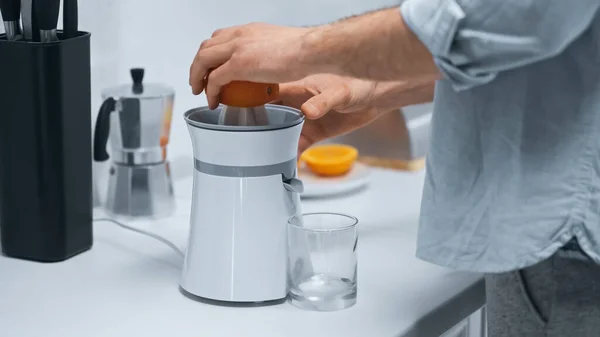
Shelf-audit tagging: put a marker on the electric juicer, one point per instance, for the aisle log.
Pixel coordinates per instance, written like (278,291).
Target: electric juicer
(245,189)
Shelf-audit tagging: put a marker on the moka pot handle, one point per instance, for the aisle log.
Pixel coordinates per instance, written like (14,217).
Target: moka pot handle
(102,129)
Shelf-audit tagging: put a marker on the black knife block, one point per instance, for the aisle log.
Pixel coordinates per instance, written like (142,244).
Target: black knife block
(45,149)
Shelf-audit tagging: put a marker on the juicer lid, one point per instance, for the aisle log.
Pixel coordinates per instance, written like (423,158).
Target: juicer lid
(138,89)
(277,117)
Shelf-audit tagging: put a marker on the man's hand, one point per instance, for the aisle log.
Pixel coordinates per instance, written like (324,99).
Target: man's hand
(254,52)
(335,105)
(377,46)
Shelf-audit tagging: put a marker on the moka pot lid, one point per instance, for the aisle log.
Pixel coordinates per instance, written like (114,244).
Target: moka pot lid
(138,89)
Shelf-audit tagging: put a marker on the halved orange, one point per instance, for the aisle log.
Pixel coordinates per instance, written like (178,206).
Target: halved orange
(330,160)
(248,94)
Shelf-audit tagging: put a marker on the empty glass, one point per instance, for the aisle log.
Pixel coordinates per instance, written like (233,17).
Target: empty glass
(323,263)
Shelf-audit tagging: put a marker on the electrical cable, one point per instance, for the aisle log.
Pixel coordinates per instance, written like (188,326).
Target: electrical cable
(143,232)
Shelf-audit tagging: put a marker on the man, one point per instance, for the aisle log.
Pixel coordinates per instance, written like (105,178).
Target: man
(513,175)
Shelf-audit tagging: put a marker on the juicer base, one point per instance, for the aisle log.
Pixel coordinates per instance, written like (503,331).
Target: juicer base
(229,303)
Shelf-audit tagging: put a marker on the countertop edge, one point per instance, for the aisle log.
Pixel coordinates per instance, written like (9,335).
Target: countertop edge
(443,318)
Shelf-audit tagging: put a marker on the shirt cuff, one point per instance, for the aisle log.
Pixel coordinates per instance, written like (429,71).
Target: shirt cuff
(436,23)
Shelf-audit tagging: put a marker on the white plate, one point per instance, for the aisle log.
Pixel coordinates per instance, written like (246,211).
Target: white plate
(316,186)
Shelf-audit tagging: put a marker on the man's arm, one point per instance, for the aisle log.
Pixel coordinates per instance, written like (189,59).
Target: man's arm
(390,96)
(469,40)
(376,46)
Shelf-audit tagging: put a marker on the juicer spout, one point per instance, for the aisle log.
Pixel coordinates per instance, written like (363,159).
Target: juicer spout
(294,185)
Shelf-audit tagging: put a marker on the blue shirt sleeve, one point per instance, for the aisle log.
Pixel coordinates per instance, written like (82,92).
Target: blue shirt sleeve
(473,40)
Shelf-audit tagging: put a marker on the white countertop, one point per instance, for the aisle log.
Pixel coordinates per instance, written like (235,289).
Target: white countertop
(127,285)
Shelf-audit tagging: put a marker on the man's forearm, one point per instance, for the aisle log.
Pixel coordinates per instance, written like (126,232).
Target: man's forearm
(375,46)
(394,95)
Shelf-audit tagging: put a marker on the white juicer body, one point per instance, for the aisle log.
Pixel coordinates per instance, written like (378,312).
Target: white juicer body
(243,196)
(237,248)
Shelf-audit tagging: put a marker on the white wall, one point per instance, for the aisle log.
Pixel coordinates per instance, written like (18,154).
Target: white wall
(163,36)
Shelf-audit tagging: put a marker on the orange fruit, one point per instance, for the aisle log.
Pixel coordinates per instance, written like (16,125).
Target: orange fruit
(330,159)
(244,94)
(164,140)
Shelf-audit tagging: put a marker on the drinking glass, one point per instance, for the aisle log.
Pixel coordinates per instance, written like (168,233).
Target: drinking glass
(323,261)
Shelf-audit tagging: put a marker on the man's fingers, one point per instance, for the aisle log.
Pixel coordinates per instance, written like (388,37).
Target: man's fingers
(220,31)
(216,80)
(228,31)
(205,60)
(293,94)
(225,37)
(219,36)
(328,100)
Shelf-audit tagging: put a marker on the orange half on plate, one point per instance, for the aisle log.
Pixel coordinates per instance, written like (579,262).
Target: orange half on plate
(330,159)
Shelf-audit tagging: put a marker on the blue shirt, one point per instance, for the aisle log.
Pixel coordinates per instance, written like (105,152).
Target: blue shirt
(513,172)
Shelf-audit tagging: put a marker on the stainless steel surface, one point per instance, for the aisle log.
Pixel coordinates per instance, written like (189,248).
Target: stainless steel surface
(10,11)
(256,116)
(140,191)
(139,123)
(402,134)
(140,91)
(48,36)
(12,29)
(96,200)
(138,156)
(27,19)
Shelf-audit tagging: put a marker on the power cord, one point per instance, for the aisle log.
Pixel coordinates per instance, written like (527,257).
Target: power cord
(143,232)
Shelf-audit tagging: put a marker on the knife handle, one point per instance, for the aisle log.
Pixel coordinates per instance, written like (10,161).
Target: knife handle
(35,31)
(46,12)
(70,24)
(11,10)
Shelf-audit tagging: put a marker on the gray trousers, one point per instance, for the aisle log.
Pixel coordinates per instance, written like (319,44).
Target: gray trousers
(558,297)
